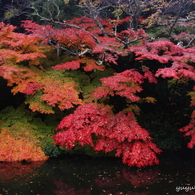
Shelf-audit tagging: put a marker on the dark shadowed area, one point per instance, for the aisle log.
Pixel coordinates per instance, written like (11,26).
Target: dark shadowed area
(81,175)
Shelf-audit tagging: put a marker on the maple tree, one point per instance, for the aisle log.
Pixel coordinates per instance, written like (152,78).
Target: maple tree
(24,127)
(20,66)
(152,15)
(102,71)
(114,132)
(126,84)
(16,148)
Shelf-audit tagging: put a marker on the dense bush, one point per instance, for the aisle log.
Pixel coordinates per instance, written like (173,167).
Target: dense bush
(101,85)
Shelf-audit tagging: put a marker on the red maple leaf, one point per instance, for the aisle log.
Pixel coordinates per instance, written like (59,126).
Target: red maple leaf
(125,84)
(166,72)
(190,130)
(68,66)
(118,132)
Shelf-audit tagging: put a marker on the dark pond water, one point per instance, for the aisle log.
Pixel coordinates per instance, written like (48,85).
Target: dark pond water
(96,176)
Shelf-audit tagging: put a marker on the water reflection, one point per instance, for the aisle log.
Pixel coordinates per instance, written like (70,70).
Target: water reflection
(65,189)
(16,170)
(88,176)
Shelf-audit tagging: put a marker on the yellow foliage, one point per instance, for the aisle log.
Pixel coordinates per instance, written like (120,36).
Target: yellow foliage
(192,94)
(117,12)
(11,13)
(18,148)
(36,105)
(149,100)
(90,2)
(153,19)
(132,108)
(40,107)
(66,1)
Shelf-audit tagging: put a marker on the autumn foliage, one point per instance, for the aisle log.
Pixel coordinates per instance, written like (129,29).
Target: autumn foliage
(114,132)
(19,148)
(20,66)
(68,68)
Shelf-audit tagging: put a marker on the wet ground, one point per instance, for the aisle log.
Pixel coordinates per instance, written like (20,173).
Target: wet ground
(83,175)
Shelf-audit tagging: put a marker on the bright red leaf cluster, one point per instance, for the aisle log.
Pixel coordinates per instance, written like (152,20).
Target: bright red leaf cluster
(125,84)
(85,47)
(190,130)
(118,132)
(180,62)
(83,36)
(68,66)
(167,52)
